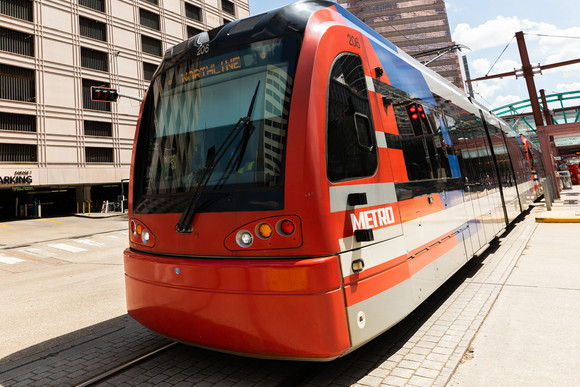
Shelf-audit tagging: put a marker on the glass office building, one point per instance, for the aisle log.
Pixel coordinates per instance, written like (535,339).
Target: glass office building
(416,26)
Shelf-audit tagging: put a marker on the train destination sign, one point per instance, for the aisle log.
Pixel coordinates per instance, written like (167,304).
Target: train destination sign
(218,67)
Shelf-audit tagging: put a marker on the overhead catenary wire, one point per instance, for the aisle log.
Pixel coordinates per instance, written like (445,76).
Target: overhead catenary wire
(502,52)
(555,36)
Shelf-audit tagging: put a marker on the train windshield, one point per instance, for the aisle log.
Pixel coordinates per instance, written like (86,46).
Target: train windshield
(218,120)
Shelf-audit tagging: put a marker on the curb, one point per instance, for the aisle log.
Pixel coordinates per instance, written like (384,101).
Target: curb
(98,215)
(558,220)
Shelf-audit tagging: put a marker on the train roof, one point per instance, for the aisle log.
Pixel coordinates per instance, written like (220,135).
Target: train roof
(288,20)
(292,19)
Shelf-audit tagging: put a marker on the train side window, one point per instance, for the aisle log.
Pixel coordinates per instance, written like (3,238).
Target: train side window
(350,139)
(363,130)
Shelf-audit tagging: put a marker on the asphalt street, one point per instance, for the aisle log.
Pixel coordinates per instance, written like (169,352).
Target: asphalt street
(58,275)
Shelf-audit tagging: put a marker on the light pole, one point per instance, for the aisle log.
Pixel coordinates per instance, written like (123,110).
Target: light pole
(116,55)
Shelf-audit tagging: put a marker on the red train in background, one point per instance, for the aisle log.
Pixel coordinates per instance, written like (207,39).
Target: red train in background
(299,185)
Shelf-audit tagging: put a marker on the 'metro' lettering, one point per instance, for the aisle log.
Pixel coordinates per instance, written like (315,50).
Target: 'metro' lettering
(379,217)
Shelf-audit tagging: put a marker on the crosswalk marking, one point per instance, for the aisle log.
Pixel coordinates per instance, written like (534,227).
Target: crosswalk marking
(89,242)
(37,252)
(44,251)
(69,248)
(10,260)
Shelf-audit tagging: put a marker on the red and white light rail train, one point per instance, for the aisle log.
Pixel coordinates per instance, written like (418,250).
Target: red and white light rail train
(299,185)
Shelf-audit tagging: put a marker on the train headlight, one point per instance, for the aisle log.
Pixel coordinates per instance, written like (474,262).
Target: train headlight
(244,238)
(145,236)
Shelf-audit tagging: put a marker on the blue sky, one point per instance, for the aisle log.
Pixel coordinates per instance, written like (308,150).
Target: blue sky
(486,27)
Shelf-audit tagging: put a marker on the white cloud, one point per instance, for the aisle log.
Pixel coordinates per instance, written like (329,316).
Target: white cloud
(487,89)
(561,46)
(569,72)
(503,100)
(482,66)
(492,33)
(504,66)
(563,87)
(497,32)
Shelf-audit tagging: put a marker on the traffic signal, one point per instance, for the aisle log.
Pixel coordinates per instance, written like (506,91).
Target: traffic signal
(413,112)
(419,120)
(103,94)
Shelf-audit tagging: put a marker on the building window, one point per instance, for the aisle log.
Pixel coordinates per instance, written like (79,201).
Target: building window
(93,59)
(151,45)
(94,105)
(16,42)
(192,12)
(93,29)
(98,155)
(148,70)
(192,31)
(20,9)
(18,153)
(17,122)
(228,6)
(98,128)
(98,5)
(226,21)
(152,1)
(17,83)
(149,19)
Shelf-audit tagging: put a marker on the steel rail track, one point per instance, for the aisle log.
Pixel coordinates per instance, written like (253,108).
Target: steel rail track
(107,374)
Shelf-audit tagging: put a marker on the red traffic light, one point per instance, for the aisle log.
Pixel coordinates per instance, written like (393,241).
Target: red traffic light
(103,94)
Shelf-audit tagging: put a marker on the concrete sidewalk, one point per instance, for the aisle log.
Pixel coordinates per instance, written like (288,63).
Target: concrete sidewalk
(564,210)
(531,335)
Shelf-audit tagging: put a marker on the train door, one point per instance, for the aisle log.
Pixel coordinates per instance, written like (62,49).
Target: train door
(361,186)
(489,191)
(469,144)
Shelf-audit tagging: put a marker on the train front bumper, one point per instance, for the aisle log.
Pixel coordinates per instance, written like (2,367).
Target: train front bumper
(281,308)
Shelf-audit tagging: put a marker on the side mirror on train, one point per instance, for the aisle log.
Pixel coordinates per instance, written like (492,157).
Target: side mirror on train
(387,101)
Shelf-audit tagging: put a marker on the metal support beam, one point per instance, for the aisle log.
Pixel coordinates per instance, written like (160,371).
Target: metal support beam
(545,146)
(547,114)
(529,77)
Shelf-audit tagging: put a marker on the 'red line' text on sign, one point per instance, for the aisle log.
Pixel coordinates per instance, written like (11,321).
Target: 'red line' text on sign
(212,69)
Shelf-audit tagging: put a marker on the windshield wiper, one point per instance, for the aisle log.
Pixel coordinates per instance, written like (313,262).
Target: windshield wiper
(213,158)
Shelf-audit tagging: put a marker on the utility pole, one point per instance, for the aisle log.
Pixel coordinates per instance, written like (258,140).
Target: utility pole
(529,77)
(545,147)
